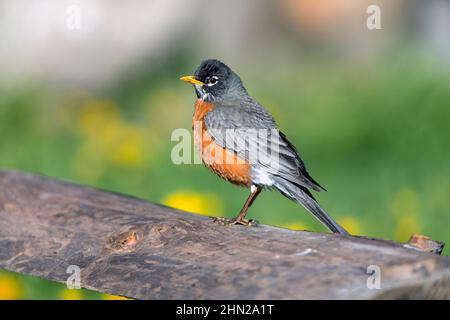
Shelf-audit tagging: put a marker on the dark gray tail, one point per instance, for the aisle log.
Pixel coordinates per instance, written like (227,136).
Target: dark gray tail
(304,197)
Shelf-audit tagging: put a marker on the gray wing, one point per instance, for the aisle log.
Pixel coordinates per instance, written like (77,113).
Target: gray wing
(249,130)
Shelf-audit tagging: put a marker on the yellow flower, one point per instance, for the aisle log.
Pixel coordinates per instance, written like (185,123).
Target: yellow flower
(406,226)
(405,207)
(202,203)
(106,296)
(128,150)
(97,116)
(109,132)
(10,288)
(108,140)
(71,294)
(351,224)
(295,226)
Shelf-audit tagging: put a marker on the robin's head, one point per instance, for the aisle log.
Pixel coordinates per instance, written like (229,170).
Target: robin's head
(213,81)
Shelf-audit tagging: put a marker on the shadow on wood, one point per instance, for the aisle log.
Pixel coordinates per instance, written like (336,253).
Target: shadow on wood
(126,246)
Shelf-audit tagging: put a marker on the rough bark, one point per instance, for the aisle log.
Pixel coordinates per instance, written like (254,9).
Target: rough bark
(130,247)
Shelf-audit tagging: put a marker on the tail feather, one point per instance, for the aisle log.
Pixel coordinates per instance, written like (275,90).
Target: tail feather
(305,198)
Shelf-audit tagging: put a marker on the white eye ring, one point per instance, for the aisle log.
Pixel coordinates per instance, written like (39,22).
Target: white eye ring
(212,81)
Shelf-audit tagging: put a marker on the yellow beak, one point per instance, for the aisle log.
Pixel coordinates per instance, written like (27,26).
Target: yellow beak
(191,79)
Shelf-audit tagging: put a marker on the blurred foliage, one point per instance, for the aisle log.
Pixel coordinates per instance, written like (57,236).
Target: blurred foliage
(375,135)
(205,203)
(15,286)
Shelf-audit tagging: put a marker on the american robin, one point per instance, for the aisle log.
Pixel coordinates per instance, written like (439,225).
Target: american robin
(229,125)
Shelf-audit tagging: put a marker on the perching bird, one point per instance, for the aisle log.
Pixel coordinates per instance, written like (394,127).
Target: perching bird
(238,140)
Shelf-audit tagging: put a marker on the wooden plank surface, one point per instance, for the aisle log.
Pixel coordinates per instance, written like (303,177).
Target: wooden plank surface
(130,247)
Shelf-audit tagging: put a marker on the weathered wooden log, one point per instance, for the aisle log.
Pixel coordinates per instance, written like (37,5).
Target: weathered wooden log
(130,247)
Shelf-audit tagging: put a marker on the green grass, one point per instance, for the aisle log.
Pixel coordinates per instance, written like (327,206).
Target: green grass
(376,137)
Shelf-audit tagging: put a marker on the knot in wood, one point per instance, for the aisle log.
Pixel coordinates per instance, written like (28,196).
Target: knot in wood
(127,240)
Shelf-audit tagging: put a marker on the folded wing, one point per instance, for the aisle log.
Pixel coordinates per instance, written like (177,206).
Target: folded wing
(250,131)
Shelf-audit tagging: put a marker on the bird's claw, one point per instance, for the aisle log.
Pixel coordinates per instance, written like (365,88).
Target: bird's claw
(232,221)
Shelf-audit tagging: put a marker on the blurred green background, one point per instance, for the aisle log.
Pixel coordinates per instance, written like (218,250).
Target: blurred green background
(367,109)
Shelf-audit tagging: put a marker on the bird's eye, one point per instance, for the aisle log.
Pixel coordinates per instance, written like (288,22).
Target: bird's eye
(212,80)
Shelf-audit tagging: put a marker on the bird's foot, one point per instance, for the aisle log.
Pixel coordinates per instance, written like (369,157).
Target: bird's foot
(232,221)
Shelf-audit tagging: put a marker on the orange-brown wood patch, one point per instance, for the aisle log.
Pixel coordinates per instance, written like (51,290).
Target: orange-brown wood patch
(222,162)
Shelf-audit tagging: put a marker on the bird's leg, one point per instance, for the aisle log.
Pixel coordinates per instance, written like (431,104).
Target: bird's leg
(240,219)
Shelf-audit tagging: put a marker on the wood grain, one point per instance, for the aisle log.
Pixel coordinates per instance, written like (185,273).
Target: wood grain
(130,247)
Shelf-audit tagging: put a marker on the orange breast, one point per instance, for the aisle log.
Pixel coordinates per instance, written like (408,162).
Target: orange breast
(224,163)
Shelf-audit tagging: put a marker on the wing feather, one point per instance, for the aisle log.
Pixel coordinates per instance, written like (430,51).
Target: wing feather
(249,130)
